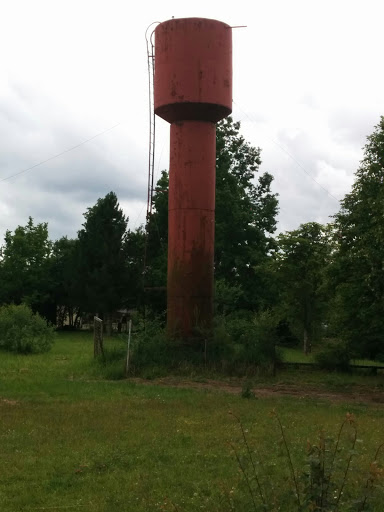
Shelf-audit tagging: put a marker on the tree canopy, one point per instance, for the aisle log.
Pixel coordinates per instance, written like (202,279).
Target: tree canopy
(245,220)
(302,259)
(311,276)
(102,269)
(24,268)
(358,270)
(246,211)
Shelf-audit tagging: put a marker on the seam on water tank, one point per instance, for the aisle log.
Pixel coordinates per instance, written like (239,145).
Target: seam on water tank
(203,298)
(196,297)
(204,209)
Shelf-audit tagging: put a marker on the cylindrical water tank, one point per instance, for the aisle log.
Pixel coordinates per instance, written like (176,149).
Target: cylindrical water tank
(193,70)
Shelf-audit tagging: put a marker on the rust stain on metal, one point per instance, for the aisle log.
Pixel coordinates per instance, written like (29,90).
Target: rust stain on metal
(193,90)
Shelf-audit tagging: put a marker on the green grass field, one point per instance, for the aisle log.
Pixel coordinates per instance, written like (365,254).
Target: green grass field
(73,441)
(295,355)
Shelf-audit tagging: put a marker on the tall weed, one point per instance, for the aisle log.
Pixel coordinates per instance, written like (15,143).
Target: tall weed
(327,482)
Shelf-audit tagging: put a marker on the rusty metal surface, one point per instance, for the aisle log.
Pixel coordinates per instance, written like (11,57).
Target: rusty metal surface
(193,90)
(193,71)
(191,226)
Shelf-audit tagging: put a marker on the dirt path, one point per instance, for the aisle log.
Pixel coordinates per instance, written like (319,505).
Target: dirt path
(356,395)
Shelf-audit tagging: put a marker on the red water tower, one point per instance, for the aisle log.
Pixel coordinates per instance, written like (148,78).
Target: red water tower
(193,90)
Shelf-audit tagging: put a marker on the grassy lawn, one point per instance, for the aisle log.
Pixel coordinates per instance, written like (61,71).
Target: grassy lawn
(72,441)
(296,355)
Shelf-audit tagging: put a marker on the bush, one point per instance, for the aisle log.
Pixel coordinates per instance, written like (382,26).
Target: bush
(243,343)
(335,356)
(246,342)
(150,346)
(24,332)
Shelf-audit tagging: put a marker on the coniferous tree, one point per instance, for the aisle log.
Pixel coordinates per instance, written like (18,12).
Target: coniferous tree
(65,277)
(102,267)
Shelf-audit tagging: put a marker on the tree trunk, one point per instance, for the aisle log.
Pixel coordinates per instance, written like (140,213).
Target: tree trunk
(305,338)
(70,316)
(76,322)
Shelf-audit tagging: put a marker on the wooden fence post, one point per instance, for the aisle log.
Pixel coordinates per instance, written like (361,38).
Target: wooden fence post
(98,348)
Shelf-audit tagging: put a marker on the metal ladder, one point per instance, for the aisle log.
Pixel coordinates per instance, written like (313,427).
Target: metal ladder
(152,124)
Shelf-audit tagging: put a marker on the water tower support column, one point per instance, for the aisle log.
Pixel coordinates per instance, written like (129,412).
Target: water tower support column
(191,226)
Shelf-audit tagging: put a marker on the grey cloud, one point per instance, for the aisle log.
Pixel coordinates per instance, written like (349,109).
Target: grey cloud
(60,190)
(354,124)
(301,196)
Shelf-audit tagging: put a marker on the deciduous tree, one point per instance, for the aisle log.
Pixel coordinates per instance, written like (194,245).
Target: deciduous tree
(246,212)
(24,268)
(358,271)
(302,260)
(245,219)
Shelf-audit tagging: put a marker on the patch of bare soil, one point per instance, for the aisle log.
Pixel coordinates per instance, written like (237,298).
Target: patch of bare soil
(357,395)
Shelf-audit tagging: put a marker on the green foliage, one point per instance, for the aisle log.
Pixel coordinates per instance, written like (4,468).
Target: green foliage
(134,250)
(285,336)
(102,269)
(314,276)
(245,219)
(253,339)
(301,264)
(334,356)
(111,365)
(245,216)
(358,271)
(152,349)
(227,297)
(24,332)
(246,390)
(155,273)
(64,275)
(24,268)
(242,344)
(327,481)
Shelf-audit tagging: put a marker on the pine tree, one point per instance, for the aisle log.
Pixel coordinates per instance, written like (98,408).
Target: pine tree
(102,267)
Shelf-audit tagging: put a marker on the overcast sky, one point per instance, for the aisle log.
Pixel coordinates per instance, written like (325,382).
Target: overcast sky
(308,87)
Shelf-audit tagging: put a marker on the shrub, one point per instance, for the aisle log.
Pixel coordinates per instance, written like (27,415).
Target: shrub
(23,331)
(243,343)
(335,356)
(246,343)
(265,327)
